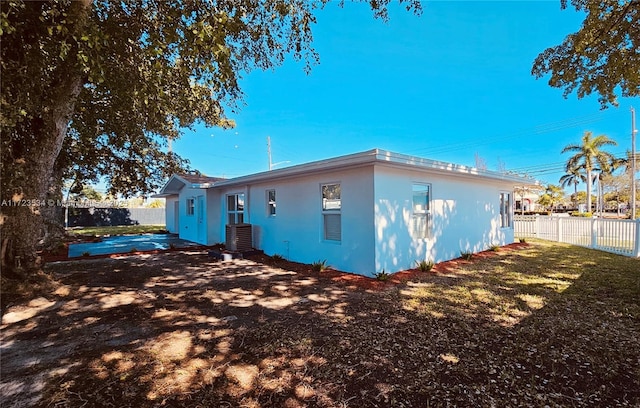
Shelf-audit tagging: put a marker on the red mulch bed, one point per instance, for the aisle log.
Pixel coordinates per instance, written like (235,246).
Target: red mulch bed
(397,278)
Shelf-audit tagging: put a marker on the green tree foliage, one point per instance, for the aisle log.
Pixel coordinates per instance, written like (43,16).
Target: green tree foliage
(617,187)
(552,196)
(99,87)
(581,197)
(156,204)
(89,193)
(590,156)
(626,162)
(602,57)
(622,182)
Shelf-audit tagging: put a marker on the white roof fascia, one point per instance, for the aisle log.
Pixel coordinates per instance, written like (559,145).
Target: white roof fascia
(418,163)
(375,156)
(204,185)
(163,195)
(163,190)
(181,180)
(351,160)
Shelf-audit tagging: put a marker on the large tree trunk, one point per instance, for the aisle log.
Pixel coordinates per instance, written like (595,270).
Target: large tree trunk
(53,215)
(36,146)
(23,227)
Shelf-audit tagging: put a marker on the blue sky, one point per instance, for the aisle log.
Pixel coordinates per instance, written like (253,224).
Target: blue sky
(447,85)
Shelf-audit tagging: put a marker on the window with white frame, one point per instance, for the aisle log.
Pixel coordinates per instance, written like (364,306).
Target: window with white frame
(271,203)
(331,212)
(505,210)
(421,206)
(191,206)
(235,208)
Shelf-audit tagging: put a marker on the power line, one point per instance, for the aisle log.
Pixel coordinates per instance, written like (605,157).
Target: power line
(542,169)
(536,130)
(555,165)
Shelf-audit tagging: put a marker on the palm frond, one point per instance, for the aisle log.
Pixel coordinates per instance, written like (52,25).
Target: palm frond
(602,140)
(571,148)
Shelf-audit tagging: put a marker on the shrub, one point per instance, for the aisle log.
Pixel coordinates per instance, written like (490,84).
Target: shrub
(172,246)
(425,266)
(134,249)
(584,214)
(58,247)
(277,257)
(86,253)
(518,212)
(495,247)
(319,266)
(382,276)
(466,255)
(523,240)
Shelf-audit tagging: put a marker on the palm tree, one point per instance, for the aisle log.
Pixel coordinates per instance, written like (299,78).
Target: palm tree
(589,157)
(574,176)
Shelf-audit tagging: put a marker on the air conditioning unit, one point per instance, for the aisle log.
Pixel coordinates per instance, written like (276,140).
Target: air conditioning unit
(239,237)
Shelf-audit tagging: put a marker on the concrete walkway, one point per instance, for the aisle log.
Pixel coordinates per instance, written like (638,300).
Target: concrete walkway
(125,243)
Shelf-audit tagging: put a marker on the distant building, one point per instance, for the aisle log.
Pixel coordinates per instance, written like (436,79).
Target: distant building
(526,201)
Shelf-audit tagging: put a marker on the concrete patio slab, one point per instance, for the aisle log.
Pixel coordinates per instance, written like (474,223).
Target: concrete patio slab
(126,243)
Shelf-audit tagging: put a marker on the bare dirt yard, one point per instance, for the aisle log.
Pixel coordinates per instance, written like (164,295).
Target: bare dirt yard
(534,325)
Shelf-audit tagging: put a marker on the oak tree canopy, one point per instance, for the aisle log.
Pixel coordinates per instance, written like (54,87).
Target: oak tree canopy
(602,58)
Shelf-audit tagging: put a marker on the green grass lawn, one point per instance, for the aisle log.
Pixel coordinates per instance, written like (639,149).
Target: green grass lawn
(118,230)
(557,324)
(506,288)
(608,242)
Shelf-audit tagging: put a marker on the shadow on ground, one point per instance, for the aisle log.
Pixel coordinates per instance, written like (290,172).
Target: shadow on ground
(538,326)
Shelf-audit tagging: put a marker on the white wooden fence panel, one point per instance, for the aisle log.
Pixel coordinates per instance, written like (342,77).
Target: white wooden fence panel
(611,235)
(547,228)
(576,231)
(524,226)
(616,236)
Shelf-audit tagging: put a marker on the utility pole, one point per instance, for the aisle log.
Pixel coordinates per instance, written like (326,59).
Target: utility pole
(271,163)
(633,163)
(269,151)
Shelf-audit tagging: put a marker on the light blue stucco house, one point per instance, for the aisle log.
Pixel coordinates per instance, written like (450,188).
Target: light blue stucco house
(364,213)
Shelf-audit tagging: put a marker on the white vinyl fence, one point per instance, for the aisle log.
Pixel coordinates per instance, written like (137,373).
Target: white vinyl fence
(611,235)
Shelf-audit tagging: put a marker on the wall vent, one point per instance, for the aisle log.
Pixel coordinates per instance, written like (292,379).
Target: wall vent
(239,237)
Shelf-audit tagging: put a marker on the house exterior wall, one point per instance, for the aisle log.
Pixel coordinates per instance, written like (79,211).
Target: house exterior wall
(376,213)
(296,231)
(215,229)
(170,214)
(465,216)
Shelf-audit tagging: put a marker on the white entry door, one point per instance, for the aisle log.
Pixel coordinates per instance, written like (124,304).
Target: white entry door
(202,239)
(176,217)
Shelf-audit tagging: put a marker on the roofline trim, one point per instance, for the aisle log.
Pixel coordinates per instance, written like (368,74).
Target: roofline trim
(375,156)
